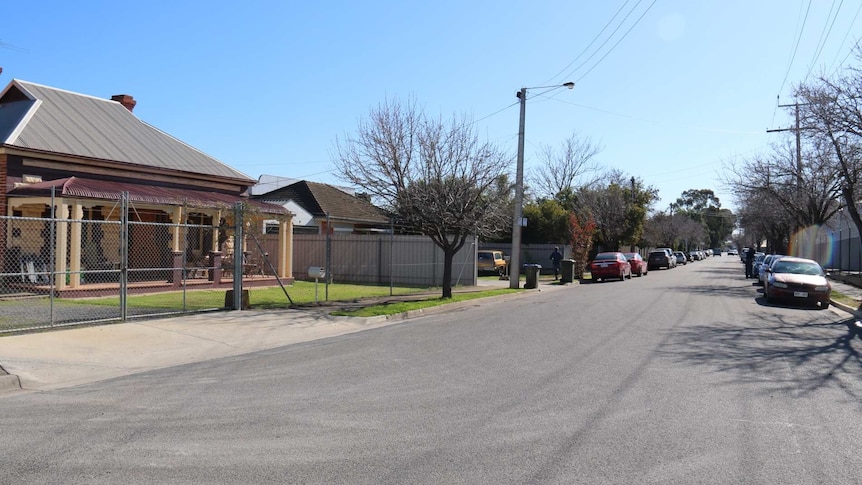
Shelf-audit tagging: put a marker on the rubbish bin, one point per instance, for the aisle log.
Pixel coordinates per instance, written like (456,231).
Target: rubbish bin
(567,270)
(532,271)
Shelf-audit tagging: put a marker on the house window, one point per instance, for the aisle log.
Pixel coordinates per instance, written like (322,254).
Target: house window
(270,227)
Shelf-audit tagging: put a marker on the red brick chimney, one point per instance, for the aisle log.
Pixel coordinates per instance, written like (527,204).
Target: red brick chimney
(126,100)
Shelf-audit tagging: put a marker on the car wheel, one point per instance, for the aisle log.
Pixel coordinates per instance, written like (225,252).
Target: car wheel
(824,304)
(766,296)
(623,276)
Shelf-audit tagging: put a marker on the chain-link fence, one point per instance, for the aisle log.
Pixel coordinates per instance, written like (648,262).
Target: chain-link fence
(82,268)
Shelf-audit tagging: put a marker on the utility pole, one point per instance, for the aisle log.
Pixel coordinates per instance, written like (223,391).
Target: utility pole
(515,257)
(632,248)
(798,131)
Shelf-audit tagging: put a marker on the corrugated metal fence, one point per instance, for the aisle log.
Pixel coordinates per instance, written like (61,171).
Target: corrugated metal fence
(378,259)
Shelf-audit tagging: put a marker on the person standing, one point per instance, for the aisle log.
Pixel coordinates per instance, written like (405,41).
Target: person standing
(556,257)
(749,263)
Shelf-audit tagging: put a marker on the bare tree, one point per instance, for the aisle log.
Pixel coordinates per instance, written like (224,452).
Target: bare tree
(435,177)
(809,192)
(831,112)
(562,169)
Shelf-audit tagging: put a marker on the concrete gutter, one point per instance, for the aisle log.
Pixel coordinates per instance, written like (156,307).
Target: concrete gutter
(8,382)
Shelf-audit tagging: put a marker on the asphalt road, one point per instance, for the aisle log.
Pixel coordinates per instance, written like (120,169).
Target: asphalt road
(684,376)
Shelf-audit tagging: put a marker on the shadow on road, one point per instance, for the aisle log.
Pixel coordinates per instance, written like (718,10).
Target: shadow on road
(797,358)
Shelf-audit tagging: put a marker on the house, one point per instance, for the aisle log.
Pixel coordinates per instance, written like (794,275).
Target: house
(313,204)
(85,154)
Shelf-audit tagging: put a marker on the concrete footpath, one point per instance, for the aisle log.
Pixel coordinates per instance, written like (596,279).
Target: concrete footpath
(67,357)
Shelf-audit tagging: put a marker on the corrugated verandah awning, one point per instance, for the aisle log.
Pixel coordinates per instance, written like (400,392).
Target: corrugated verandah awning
(82,188)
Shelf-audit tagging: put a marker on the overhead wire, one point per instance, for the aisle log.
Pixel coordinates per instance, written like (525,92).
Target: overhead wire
(557,75)
(844,40)
(611,36)
(618,42)
(824,36)
(800,30)
(795,48)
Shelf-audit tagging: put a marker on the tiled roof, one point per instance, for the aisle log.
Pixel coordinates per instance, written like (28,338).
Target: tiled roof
(47,119)
(320,199)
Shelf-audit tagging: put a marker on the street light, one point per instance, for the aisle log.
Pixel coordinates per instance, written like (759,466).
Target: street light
(514,283)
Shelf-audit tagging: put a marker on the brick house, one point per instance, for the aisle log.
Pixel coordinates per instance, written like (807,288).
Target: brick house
(87,152)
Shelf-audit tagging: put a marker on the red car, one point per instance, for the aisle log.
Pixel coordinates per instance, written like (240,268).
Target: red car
(610,265)
(639,264)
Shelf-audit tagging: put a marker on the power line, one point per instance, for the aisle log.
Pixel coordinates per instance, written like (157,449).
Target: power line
(824,36)
(599,48)
(795,48)
(618,42)
(849,29)
(495,112)
(11,47)
(557,75)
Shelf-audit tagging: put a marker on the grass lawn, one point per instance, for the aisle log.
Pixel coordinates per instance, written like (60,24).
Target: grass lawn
(301,292)
(406,306)
(36,312)
(844,299)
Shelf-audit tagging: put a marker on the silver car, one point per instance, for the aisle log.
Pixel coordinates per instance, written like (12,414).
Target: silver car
(767,263)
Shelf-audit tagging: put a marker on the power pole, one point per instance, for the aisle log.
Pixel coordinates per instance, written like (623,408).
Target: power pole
(798,131)
(632,248)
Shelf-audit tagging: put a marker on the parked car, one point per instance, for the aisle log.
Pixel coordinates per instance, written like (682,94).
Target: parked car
(799,280)
(758,260)
(716,251)
(680,258)
(669,252)
(610,265)
(732,252)
(639,264)
(491,261)
(659,259)
(768,261)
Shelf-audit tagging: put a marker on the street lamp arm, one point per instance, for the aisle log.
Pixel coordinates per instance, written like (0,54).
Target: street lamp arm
(523,91)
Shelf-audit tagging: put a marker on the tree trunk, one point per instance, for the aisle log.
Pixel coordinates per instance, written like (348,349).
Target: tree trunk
(448,257)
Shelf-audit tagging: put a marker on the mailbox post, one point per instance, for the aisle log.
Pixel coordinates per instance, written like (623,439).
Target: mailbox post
(316,272)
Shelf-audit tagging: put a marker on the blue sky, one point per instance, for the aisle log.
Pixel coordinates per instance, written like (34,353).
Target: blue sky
(680,89)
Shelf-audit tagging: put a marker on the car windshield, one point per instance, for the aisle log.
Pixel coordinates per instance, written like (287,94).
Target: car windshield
(630,255)
(606,256)
(485,256)
(797,267)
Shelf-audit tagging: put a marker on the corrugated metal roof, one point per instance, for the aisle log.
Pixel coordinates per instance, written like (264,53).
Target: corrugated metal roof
(149,194)
(320,199)
(76,124)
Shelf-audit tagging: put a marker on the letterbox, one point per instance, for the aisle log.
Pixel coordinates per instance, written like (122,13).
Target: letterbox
(316,272)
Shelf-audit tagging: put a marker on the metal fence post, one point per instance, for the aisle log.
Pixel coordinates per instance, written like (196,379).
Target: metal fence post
(124,255)
(53,257)
(328,274)
(238,256)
